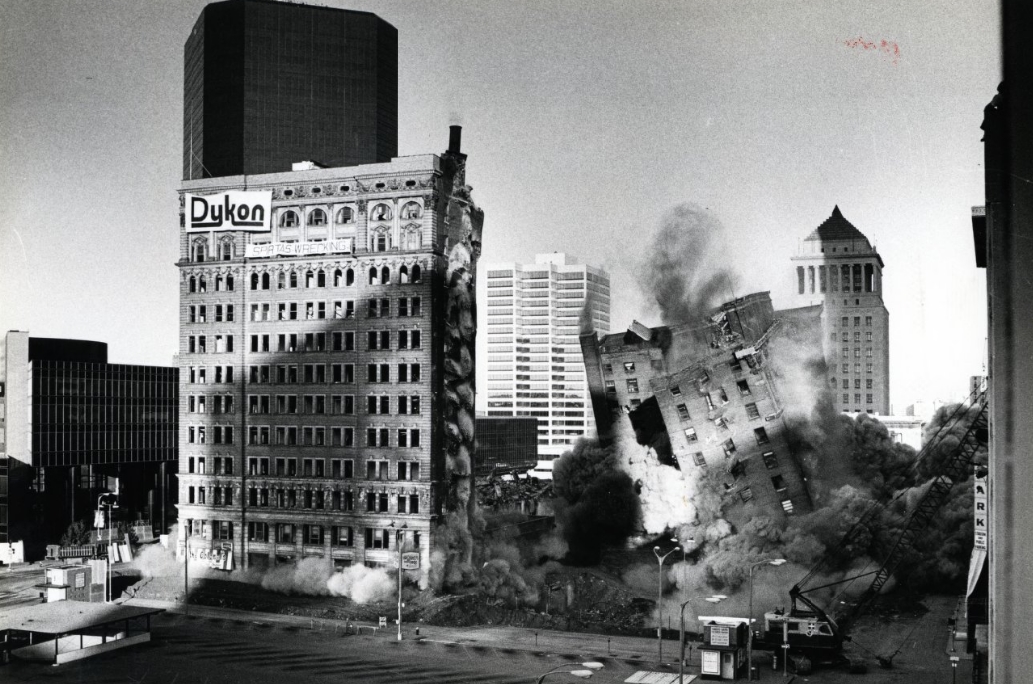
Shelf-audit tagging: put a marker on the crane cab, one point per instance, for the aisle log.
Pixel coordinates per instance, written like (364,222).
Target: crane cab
(800,629)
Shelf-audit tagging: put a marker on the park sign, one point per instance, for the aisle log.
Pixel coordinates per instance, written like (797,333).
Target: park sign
(232,210)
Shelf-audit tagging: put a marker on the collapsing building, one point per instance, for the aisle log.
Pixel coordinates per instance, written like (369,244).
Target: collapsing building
(711,394)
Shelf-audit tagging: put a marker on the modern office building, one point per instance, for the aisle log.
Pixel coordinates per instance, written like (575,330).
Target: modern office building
(708,394)
(839,268)
(270,83)
(73,426)
(326,359)
(505,443)
(535,367)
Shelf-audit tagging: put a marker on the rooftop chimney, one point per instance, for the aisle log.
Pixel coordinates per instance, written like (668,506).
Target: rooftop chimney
(455,138)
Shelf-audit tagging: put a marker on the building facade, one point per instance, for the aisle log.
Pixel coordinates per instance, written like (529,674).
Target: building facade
(839,268)
(505,443)
(707,395)
(320,376)
(270,83)
(73,426)
(535,367)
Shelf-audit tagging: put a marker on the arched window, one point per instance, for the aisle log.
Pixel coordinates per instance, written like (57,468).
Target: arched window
(381,212)
(345,215)
(219,283)
(265,281)
(226,249)
(281,281)
(229,283)
(403,275)
(202,284)
(385,275)
(416,273)
(289,219)
(411,210)
(349,277)
(317,217)
(373,280)
(338,277)
(320,278)
(254,281)
(310,279)
(869,278)
(200,249)
(192,284)
(381,242)
(294,279)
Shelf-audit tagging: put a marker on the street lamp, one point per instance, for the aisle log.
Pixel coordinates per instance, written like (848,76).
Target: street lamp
(716,598)
(659,599)
(583,673)
(398,542)
(749,620)
(111,506)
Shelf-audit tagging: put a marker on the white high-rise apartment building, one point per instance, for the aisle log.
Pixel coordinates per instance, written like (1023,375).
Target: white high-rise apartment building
(534,365)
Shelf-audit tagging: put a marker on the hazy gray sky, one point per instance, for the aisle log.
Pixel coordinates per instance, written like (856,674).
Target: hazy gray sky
(584,122)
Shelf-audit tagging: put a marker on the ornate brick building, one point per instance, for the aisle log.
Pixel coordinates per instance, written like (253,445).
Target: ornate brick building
(326,362)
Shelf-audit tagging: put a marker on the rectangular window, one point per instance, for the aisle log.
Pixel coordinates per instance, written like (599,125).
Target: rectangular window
(683,412)
(729,448)
(868,398)
(698,458)
(744,388)
(690,434)
(752,412)
(762,436)
(770,460)
(632,384)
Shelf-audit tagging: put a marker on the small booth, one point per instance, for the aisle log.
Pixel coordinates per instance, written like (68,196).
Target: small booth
(723,652)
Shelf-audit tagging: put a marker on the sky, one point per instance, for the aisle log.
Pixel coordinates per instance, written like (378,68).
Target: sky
(584,123)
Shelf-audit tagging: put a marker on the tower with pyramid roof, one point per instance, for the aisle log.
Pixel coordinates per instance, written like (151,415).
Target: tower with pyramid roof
(838,267)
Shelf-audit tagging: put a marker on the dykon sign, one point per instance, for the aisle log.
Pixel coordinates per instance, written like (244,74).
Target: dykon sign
(232,210)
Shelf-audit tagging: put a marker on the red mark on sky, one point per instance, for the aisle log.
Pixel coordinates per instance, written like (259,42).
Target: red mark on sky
(887,47)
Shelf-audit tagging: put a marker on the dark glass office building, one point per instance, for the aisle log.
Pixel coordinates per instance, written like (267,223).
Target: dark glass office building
(73,426)
(505,442)
(267,84)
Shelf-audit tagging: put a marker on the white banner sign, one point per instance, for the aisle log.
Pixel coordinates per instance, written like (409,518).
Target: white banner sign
(711,662)
(274,249)
(233,210)
(979,508)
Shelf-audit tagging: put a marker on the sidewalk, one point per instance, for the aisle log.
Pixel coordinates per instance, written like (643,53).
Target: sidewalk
(636,649)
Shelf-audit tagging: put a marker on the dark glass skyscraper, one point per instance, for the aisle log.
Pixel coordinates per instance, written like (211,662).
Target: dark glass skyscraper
(267,84)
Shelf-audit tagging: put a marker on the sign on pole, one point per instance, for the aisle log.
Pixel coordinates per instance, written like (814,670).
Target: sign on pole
(411,560)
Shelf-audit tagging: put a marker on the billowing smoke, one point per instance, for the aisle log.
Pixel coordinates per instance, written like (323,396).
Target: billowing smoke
(596,501)
(362,584)
(684,272)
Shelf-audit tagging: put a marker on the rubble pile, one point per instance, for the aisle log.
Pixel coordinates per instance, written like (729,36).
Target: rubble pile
(509,492)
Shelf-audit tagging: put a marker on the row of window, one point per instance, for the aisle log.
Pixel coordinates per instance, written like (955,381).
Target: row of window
(852,278)
(376,502)
(340,373)
(407,307)
(760,434)
(340,468)
(868,383)
(857,398)
(868,368)
(314,278)
(291,533)
(857,336)
(288,435)
(314,404)
(376,340)
(857,352)
(845,321)
(290,218)
(222,313)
